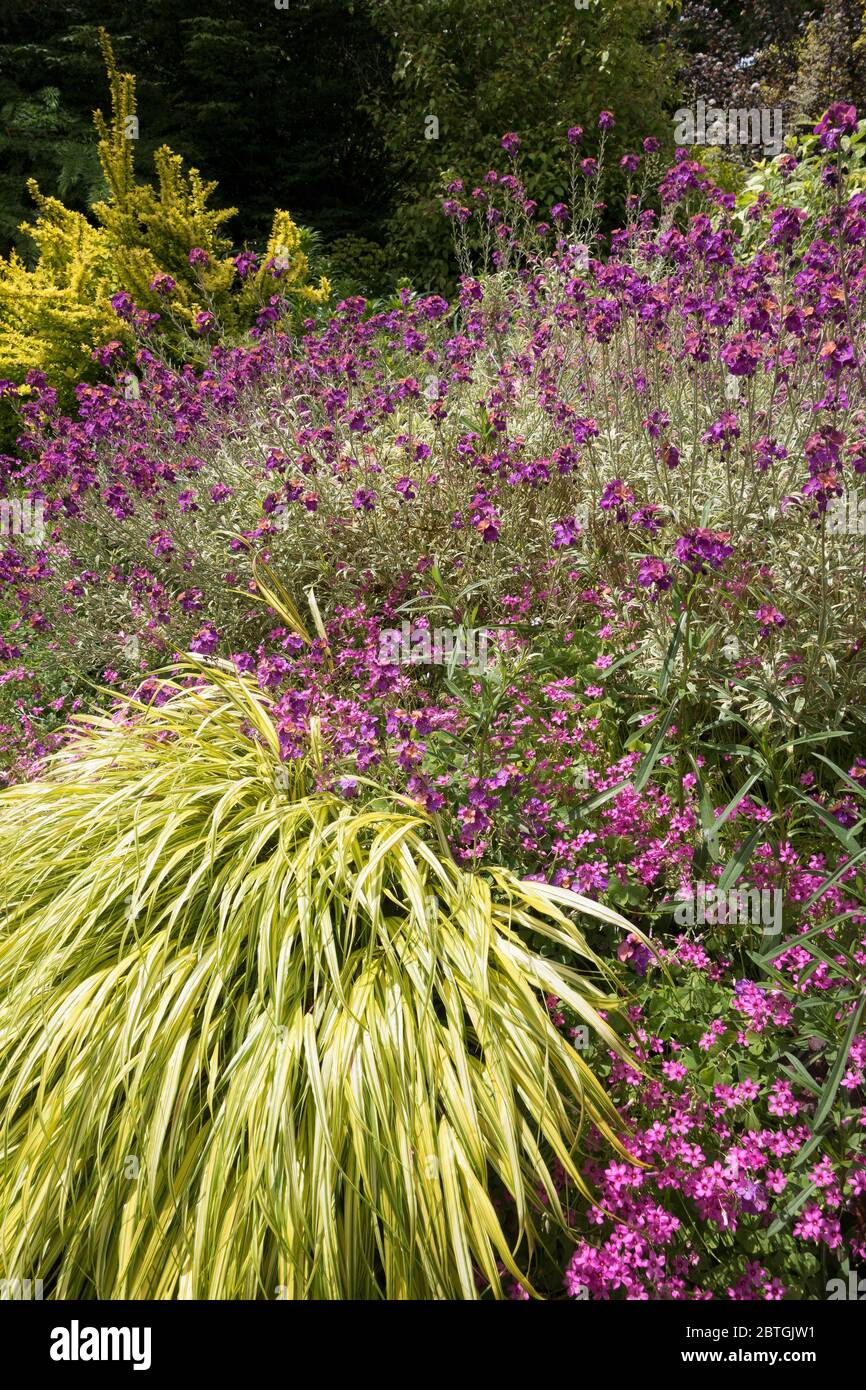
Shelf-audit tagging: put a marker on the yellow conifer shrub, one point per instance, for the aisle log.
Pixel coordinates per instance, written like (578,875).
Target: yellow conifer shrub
(53,316)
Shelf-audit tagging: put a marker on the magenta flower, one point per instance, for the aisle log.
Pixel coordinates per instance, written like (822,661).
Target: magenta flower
(769,618)
(487,523)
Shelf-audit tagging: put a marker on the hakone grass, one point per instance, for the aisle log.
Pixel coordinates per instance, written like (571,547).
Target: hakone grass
(260,1041)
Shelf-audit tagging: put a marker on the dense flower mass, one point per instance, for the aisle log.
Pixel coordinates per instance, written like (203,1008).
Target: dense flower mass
(575,564)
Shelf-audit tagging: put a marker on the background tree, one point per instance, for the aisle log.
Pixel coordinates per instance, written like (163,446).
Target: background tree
(800,55)
(51,77)
(831,62)
(482,68)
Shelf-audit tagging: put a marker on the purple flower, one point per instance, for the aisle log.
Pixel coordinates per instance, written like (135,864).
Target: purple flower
(647,519)
(245,263)
(567,531)
(838,120)
(123,306)
(606,120)
(752,1195)
(510,142)
(785,227)
(822,486)
(822,449)
(487,522)
(190,600)
(161,543)
(106,356)
(722,431)
(700,547)
(205,641)
(575,134)
(655,422)
(636,953)
(617,498)
(198,256)
(741,355)
(654,574)
(765,451)
(364,500)
(162,284)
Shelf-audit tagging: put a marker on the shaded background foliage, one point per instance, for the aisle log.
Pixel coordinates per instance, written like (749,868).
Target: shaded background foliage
(797,54)
(267,100)
(320,106)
